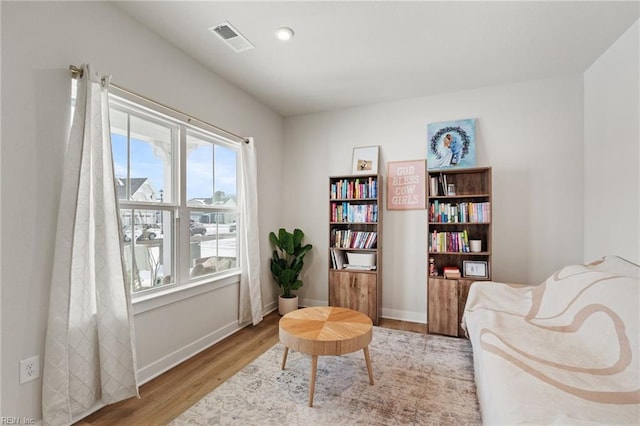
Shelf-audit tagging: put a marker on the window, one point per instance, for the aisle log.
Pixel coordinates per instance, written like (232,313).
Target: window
(177,186)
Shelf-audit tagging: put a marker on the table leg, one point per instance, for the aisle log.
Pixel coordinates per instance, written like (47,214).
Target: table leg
(368,360)
(312,385)
(284,357)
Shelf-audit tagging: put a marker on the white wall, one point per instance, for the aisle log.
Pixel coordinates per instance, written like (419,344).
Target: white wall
(612,151)
(530,133)
(39,42)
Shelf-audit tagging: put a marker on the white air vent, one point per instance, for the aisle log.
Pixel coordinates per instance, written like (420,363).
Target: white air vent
(232,37)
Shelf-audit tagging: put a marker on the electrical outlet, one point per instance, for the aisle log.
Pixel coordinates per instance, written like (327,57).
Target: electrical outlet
(29,369)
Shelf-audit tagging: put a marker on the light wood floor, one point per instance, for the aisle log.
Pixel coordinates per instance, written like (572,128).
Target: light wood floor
(167,396)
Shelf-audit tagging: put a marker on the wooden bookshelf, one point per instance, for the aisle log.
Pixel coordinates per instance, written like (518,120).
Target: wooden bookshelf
(355,227)
(453,221)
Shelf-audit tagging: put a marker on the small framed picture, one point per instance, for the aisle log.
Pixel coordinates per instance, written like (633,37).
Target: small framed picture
(365,160)
(451,189)
(475,269)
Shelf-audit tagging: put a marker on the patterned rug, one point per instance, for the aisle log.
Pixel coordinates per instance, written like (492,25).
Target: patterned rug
(419,380)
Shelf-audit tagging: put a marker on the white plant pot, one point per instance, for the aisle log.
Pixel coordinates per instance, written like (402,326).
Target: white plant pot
(287,304)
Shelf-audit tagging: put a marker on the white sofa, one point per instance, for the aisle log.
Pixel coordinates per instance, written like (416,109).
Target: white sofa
(562,352)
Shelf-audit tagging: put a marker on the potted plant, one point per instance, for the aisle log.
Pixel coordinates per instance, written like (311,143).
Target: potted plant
(286,265)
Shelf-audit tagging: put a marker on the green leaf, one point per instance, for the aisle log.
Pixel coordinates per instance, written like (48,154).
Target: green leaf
(288,258)
(304,250)
(273,239)
(288,276)
(286,241)
(276,268)
(298,235)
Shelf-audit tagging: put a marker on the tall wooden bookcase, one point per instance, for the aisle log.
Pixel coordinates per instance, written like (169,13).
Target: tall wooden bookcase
(455,219)
(355,227)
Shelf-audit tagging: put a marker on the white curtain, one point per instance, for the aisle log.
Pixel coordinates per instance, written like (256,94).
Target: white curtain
(89,354)
(250,291)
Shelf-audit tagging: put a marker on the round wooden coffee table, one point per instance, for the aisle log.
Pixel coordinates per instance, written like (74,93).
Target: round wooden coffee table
(326,330)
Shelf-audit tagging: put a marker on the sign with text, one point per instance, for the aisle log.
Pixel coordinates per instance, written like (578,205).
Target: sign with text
(406,185)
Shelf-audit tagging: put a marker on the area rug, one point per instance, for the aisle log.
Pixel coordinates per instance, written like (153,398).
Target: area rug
(419,380)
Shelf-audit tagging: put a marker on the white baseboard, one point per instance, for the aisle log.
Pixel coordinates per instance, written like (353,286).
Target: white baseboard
(419,317)
(270,307)
(308,303)
(166,363)
(163,365)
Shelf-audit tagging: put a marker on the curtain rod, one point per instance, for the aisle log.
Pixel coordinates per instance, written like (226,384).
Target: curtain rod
(76,72)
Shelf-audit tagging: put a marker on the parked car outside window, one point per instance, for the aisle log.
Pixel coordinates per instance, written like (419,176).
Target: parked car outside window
(197,228)
(141,233)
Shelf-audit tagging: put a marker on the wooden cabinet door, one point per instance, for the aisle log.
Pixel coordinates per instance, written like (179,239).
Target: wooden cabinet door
(442,306)
(353,290)
(463,292)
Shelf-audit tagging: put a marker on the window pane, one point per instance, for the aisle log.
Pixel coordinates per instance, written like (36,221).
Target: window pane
(120,151)
(213,242)
(211,173)
(199,171)
(225,185)
(148,246)
(142,157)
(146,150)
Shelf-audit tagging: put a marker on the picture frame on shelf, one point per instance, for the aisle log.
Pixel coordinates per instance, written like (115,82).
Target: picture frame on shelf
(451,144)
(475,269)
(365,160)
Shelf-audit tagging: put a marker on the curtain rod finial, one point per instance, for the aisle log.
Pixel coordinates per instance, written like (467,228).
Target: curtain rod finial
(76,72)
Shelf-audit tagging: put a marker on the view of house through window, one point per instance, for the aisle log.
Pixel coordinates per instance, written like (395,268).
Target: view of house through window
(177,187)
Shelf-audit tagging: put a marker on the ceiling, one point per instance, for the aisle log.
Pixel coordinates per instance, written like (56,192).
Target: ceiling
(346,54)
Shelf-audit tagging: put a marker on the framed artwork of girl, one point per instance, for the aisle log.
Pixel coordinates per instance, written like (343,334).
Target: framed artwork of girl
(451,144)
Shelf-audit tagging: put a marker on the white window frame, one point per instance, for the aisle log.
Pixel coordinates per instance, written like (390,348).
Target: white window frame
(184,286)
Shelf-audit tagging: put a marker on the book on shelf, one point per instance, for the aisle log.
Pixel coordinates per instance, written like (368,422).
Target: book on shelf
(358,188)
(449,242)
(347,238)
(337,259)
(437,185)
(451,272)
(433,186)
(462,212)
(354,213)
(441,184)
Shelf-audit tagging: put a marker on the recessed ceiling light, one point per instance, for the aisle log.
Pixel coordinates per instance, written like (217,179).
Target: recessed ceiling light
(284,33)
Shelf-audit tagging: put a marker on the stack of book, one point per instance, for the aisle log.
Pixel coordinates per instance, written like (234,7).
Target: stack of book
(461,212)
(347,238)
(449,242)
(358,188)
(337,259)
(354,213)
(438,185)
(451,272)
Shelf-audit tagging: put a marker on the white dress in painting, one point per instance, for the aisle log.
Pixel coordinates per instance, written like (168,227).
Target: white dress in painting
(443,159)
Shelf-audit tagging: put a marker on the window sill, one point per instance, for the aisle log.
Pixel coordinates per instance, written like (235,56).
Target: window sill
(148,302)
